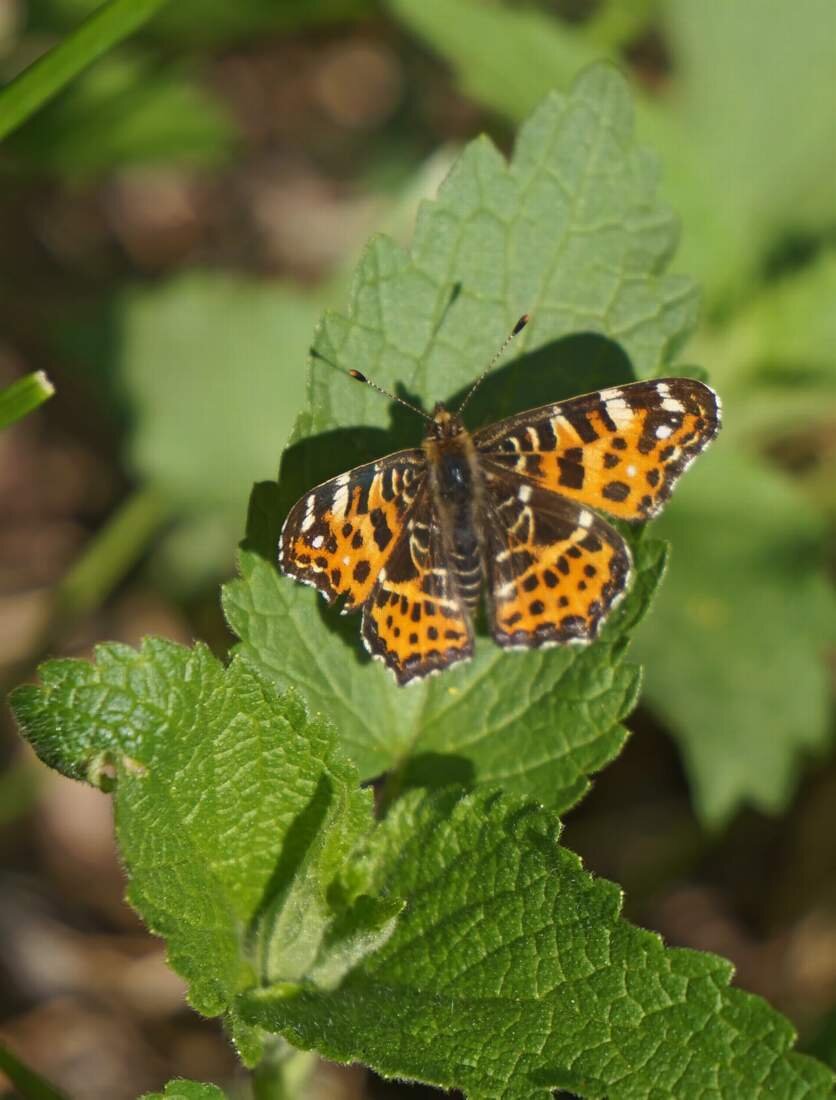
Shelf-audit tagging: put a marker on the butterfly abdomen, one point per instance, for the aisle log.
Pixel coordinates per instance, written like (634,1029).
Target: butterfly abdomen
(457,486)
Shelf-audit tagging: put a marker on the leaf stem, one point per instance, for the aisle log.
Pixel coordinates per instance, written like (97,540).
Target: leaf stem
(103,563)
(44,78)
(115,548)
(282,1071)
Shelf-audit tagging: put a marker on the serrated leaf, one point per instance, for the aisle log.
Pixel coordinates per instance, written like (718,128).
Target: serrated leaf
(571,229)
(181,1089)
(747,600)
(538,722)
(232,811)
(511,973)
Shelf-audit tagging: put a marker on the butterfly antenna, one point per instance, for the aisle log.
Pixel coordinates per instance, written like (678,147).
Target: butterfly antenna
(515,331)
(392,397)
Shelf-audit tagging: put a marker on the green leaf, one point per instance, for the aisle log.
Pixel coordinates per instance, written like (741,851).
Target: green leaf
(233,813)
(104,28)
(784,340)
(213,369)
(507,58)
(538,722)
(456,942)
(744,128)
(23,397)
(124,111)
(510,973)
(180,1089)
(571,231)
(733,651)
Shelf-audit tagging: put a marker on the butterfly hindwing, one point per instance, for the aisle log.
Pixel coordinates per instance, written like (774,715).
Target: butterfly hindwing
(621,450)
(555,569)
(340,535)
(415,620)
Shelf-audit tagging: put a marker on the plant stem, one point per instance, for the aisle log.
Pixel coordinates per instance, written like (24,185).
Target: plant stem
(19,399)
(30,1084)
(44,78)
(282,1072)
(110,554)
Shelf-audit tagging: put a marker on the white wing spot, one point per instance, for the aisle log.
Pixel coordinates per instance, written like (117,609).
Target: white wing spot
(620,413)
(524,493)
(585,519)
(670,404)
(317,542)
(663,431)
(309,512)
(610,394)
(631,471)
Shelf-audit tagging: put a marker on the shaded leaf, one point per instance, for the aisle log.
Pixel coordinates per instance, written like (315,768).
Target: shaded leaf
(747,602)
(212,368)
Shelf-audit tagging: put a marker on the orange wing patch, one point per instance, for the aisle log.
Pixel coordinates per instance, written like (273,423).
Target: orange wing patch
(621,450)
(560,570)
(339,536)
(415,620)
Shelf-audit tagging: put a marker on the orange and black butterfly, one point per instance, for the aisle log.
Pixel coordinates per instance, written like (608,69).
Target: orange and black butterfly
(413,538)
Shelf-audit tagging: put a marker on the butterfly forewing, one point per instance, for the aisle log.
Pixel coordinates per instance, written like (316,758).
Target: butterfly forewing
(415,619)
(555,569)
(620,450)
(340,535)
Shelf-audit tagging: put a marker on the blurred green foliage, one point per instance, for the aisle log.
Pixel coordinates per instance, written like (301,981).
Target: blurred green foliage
(126,110)
(207,22)
(736,102)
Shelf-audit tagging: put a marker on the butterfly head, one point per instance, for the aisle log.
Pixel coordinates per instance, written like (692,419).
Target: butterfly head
(444,424)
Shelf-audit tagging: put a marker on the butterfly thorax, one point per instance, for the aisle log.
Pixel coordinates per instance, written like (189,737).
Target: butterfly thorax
(456,486)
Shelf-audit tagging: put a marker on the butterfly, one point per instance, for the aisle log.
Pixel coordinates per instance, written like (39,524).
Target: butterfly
(412,538)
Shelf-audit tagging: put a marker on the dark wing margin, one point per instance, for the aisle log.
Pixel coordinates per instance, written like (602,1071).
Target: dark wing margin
(339,536)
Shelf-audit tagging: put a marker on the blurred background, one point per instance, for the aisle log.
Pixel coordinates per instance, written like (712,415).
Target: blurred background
(174,223)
